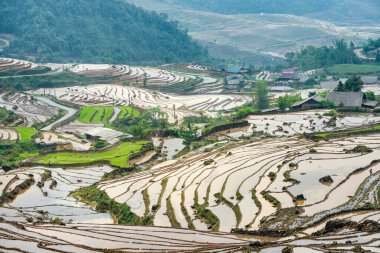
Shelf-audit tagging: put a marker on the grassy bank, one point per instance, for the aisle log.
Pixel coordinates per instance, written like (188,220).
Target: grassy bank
(103,114)
(117,156)
(327,135)
(354,69)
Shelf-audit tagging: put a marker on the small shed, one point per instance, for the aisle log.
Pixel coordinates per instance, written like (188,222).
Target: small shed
(369,104)
(313,102)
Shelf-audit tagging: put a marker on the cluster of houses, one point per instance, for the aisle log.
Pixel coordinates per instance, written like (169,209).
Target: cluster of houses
(234,77)
(235,80)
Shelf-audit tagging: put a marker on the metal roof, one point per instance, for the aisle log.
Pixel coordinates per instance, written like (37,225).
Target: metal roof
(235,70)
(370,79)
(370,103)
(315,98)
(230,77)
(347,99)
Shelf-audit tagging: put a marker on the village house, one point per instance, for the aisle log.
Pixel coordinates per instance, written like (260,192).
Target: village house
(313,102)
(234,82)
(281,89)
(235,70)
(370,80)
(350,100)
(332,84)
(289,74)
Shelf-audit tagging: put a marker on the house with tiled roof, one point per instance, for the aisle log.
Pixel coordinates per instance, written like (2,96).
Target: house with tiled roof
(289,74)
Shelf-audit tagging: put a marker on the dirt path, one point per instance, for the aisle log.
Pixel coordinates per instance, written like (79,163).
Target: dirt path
(69,112)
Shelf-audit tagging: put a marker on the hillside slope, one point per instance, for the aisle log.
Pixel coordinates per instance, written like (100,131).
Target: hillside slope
(264,38)
(92,31)
(342,11)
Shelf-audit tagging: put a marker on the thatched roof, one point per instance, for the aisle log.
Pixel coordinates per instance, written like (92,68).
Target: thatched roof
(347,99)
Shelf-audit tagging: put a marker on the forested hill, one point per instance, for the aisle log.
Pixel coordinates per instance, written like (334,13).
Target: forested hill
(107,31)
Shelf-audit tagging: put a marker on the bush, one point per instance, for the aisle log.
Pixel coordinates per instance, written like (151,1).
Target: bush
(288,249)
(242,112)
(287,101)
(272,176)
(99,144)
(360,149)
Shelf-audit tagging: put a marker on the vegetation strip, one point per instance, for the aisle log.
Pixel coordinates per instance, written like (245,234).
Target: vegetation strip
(117,156)
(102,203)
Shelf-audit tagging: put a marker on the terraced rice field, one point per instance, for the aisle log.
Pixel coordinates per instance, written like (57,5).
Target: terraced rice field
(8,134)
(233,184)
(266,76)
(7,64)
(110,95)
(64,140)
(117,156)
(30,110)
(47,197)
(288,124)
(308,73)
(133,75)
(105,114)
(99,238)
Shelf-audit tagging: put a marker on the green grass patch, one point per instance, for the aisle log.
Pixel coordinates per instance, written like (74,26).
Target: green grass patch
(353,69)
(86,114)
(271,199)
(26,133)
(207,216)
(107,114)
(127,112)
(121,213)
(365,130)
(97,117)
(102,114)
(117,156)
(171,214)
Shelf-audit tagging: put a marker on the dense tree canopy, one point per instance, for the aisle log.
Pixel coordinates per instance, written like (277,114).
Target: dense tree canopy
(313,57)
(352,84)
(111,31)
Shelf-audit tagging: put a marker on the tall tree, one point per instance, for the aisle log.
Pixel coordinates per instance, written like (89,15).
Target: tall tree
(262,96)
(354,84)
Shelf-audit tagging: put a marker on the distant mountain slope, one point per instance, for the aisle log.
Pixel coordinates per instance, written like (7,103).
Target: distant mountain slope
(295,7)
(343,11)
(109,31)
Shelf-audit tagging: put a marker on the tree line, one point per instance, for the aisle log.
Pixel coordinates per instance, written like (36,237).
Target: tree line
(313,57)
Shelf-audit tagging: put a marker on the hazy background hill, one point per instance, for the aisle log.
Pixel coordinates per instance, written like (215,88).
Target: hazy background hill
(261,32)
(111,31)
(346,11)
